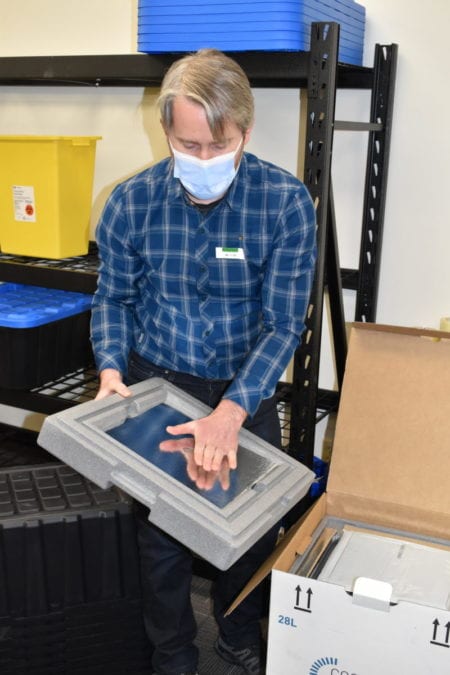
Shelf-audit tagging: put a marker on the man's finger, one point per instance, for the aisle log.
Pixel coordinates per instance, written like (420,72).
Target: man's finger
(177,445)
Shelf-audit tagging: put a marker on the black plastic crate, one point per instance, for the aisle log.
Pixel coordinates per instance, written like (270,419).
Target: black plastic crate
(18,447)
(44,333)
(64,541)
(70,594)
(106,638)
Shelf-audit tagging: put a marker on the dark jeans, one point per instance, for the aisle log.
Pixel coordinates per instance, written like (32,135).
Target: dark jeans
(166,565)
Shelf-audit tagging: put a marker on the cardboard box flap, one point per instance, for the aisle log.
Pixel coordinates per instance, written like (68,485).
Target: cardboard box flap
(392,441)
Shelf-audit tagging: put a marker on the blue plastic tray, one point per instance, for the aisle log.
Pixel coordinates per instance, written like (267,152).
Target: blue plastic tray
(23,306)
(173,25)
(229,11)
(220,5)
(281,8)
(158,44)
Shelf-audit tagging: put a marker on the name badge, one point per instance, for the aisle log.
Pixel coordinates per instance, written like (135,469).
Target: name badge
(225,252)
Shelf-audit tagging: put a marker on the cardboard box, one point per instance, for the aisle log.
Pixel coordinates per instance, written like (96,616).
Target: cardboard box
(390,472)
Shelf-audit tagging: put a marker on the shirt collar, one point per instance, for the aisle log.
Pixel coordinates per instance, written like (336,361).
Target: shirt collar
(174,188)
(234,194)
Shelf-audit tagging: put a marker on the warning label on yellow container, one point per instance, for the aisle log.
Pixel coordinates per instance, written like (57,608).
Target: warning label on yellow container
(24,203)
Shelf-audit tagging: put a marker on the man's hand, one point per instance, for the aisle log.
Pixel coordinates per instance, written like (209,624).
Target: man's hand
(111,383)
(204,480)
(215,437)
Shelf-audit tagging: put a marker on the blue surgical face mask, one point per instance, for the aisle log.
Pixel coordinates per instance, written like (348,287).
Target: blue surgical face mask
(206,179)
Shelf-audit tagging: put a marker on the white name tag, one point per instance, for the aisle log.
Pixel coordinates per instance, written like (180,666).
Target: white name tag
(226,252)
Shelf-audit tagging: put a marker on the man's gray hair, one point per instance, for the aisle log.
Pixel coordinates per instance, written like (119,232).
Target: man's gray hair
(216,82)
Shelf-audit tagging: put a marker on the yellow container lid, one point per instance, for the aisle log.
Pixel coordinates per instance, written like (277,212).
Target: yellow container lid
(31,137)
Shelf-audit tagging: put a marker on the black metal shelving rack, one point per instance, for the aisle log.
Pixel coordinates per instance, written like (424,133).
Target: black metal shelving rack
(321,74)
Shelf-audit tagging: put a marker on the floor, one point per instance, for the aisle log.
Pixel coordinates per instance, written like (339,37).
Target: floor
(210,663)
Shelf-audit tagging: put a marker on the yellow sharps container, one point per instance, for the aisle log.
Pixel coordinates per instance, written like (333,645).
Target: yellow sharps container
(46,194)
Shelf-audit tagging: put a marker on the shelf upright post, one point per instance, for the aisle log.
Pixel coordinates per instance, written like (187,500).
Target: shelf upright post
(382,102)
(317,175)
(333,282)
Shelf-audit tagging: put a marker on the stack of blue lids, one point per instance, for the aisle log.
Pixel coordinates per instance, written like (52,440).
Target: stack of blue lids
(242,25)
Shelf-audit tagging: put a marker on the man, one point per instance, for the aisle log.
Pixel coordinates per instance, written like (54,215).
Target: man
(207,260)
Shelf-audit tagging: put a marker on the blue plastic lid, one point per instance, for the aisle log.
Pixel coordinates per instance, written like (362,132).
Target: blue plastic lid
(24,306)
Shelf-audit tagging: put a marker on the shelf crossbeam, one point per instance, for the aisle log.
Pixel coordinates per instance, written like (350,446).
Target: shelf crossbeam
(264,69)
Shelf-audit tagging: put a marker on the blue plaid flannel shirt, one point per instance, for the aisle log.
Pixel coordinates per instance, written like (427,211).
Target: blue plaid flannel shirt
(169,290)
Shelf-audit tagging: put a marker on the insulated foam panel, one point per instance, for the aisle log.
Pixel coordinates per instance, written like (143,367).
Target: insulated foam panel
(115,441)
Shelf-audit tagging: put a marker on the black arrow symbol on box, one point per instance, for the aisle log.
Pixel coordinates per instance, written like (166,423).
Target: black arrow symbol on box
(434,641)
(298,592)
(436,625)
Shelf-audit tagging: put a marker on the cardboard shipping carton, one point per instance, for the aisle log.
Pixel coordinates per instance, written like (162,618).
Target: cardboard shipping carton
(390,474)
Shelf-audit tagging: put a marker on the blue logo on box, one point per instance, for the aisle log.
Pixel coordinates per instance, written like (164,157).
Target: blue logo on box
(317,666)
(319,663)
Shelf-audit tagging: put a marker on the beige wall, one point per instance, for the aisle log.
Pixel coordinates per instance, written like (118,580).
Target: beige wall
(415,271)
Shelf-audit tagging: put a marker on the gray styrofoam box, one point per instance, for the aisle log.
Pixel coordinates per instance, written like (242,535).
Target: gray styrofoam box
(115,441)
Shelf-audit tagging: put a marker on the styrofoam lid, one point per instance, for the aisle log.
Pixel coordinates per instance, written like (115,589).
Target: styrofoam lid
(116,441)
